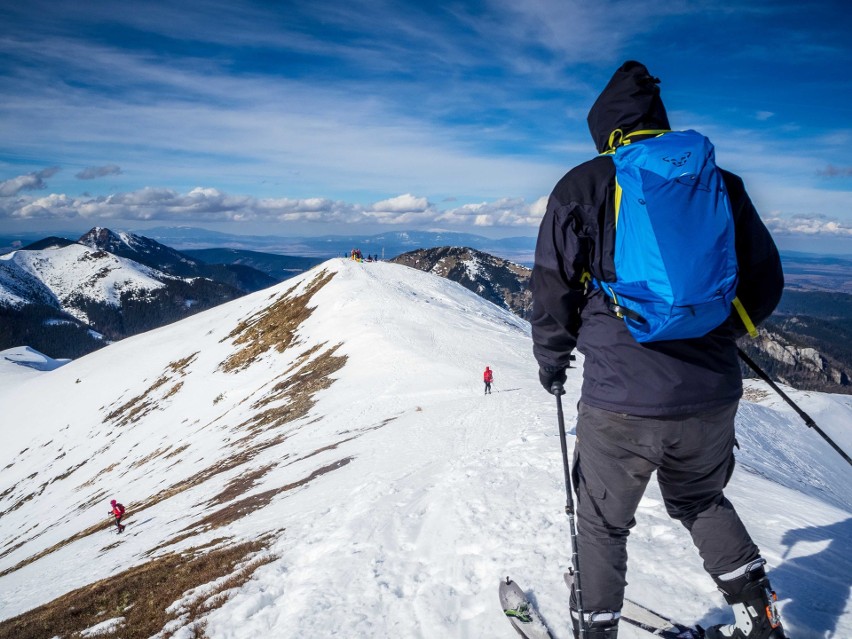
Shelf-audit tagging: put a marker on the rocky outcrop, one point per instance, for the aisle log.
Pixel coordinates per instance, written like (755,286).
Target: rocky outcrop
(499,281)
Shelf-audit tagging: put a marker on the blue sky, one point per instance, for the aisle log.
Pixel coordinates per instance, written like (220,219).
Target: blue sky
(358,116)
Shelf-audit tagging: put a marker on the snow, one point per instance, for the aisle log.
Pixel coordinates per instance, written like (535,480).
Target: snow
(104,628)
(22,363)
(75,270)
(445,491)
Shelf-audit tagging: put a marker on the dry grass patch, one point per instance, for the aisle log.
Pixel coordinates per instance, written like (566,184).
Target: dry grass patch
(181,365)
(99,496)
(133,409)
(294,395)
(754,394)
(70,470)
(136,408)
(12,549)
(173,390)
(25,499)
(238,509)
(91,482)
(240,485)
(273,327)
(144,595)
(229,463)
(177,451)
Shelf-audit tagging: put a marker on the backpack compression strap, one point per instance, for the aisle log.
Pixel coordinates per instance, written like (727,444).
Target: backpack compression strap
(746,320)
(617,138)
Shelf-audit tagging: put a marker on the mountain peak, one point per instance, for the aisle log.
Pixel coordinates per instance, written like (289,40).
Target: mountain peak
(102,238)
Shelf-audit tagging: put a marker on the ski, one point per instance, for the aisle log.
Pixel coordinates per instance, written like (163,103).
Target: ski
(650,621)
(521,612)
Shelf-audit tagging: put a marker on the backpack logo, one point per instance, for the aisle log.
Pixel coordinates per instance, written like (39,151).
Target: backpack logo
(675,254)
(680,161)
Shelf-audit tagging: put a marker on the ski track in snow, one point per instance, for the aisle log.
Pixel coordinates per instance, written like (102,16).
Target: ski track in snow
(447,493)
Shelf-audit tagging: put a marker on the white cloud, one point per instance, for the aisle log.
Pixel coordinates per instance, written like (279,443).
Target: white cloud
(809,225)
(402,203)
(29,182)
(505,212)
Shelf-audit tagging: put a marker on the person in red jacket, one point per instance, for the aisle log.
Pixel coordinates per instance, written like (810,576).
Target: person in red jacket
(118,512)
(488,377)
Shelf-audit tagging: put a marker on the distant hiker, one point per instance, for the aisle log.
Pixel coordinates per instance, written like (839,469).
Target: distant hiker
(655,406)
(117,512)
(488,377)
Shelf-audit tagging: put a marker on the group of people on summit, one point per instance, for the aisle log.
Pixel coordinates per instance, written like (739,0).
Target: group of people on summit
(356,255)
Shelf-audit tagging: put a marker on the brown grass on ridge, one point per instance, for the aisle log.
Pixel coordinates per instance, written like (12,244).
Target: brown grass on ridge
(142,594)
(273,327)
(295,394)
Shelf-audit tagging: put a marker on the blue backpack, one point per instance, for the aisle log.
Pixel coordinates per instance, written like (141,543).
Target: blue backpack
(675,255)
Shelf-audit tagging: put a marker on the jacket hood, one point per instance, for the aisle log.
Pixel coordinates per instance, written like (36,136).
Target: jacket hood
(630,102)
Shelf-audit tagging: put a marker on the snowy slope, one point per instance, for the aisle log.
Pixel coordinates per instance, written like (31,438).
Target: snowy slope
(348,404)
(22,363)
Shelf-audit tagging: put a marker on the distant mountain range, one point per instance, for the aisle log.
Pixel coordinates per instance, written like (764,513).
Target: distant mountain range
(385,245)
(66,298)
(804,271)
(804,344)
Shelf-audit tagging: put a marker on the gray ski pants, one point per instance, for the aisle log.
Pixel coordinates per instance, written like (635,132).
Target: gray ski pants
(614,458)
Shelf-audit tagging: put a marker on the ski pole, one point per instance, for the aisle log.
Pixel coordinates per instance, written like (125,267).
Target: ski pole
(558,390)
(809,422)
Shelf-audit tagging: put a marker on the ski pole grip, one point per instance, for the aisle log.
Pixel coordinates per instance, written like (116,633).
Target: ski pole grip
(557,389)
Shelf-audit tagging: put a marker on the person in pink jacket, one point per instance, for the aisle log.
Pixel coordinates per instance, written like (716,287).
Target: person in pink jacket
(487,377)
(117,510)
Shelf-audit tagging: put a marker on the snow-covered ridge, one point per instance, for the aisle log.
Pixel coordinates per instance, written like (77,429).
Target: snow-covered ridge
(341,414)
(75,271)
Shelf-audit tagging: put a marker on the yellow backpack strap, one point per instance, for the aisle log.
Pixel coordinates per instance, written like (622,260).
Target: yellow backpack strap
(616,139)
(746,320)
(655,132)
(618,192)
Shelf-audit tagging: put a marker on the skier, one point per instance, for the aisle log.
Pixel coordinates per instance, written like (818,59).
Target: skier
(488,377)
(666,407)
(118,512)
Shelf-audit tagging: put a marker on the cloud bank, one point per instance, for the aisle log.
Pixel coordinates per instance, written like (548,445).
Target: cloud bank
(212,205)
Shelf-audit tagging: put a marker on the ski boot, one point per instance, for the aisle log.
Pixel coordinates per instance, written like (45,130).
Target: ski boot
(599,625)
(753,601)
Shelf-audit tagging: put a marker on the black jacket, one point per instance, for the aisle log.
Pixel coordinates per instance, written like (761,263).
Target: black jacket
(577,234)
